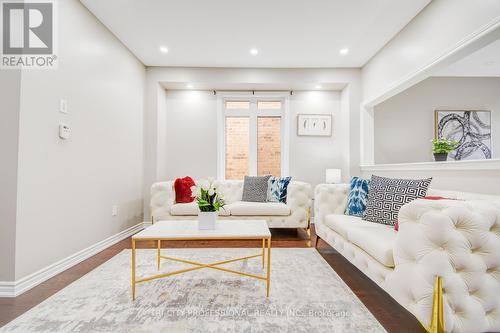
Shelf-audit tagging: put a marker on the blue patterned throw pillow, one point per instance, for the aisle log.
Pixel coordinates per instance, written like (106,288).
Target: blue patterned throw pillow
(358,196)
(277,189)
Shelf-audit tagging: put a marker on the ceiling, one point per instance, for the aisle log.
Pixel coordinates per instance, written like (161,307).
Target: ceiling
(287,34)
(484,62)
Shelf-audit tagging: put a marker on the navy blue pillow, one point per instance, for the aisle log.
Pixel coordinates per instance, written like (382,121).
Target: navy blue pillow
(358,196)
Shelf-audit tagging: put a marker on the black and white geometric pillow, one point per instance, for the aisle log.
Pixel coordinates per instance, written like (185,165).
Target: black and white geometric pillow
(255,188)
(388,195)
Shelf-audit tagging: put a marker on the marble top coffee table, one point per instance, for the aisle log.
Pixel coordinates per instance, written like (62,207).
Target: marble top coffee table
(188,230)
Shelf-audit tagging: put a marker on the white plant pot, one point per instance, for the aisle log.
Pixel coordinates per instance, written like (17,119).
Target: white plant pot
(206,220)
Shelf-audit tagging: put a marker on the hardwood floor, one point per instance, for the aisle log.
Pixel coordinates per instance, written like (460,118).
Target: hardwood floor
(388,312)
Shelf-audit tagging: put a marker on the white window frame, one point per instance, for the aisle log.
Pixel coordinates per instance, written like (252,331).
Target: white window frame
(252,113)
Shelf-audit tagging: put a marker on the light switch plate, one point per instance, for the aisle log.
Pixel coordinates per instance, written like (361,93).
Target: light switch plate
(63,106)
(114,210)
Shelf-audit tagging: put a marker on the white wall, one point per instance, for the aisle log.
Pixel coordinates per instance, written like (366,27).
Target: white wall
(476,177)
(438,36)
(10,84)
(66,188)
(404,124)
(310,156)
(191,135)
(159,166)
(439,28)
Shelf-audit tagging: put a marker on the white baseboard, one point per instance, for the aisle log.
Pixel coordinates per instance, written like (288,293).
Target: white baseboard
(16,288)
(7,289)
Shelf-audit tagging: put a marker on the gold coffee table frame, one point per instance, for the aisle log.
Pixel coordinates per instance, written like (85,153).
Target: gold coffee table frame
(198,265)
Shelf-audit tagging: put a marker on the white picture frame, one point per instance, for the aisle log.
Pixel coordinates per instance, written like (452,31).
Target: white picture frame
(314,125)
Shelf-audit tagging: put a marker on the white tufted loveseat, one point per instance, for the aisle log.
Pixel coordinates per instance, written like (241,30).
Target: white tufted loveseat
(293,214)
(458,240)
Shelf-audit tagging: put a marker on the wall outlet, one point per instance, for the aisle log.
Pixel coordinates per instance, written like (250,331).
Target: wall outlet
(64,131)
(63,106)
(114,210)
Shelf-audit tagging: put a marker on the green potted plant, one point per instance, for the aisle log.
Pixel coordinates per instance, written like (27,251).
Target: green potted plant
(442,147)
(210,201)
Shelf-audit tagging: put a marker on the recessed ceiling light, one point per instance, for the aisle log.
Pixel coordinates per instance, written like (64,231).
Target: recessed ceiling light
(344,51)
(189,86)
(254,51)
(318,86)
(163,49)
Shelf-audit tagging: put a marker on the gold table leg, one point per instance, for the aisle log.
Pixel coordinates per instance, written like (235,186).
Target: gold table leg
(133,269)
(263,252)
(268,265)
(159,247)
(202,265)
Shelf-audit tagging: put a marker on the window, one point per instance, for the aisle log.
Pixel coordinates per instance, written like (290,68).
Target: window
(269,105)
(237,147)
(234,105)
(269,146)
(252,136)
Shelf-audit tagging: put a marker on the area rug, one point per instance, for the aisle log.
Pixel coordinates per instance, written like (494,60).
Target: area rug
(306,296)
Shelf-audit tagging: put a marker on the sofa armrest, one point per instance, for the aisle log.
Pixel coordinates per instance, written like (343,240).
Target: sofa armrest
(459,241)
(329,199)
(299,198)
(162,198)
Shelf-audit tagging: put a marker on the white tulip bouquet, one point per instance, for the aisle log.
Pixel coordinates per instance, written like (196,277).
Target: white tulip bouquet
(208,195)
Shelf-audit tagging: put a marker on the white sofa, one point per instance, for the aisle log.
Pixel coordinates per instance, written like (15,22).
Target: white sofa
(293,214)
(458,240)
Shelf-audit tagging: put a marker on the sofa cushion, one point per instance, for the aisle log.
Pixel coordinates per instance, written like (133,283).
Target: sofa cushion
(377,241)
(184,209)
(373,238)
(225,211)
(191,209)
(342,223)
(243,208)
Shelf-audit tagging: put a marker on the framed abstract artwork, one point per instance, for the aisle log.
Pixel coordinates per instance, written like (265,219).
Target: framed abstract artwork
(471,128)
(314,125)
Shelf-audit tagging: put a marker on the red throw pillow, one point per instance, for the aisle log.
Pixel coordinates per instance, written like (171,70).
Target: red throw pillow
(429,197)
(182,187)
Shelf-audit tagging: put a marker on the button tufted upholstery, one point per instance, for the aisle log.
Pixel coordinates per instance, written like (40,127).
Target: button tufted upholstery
(294,215)
(458,240)
(330,199)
